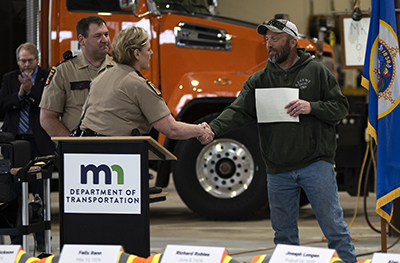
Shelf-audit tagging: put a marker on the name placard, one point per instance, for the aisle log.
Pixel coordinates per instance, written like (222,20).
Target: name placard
(297,254)
(90,253)
(192,254)
(385,258)
(8,253)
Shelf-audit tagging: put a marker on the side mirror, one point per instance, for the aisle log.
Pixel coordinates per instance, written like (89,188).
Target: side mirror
(126,4)
(153,8)
(133,5)
(212,6)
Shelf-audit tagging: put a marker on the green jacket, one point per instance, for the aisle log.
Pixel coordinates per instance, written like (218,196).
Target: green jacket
(287,146)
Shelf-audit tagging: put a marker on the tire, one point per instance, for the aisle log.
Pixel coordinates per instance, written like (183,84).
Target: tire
(224,180)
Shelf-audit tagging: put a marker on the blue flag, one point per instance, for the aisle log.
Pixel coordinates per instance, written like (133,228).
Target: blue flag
(381,76)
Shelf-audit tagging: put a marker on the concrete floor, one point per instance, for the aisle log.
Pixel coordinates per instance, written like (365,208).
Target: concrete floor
(171,222)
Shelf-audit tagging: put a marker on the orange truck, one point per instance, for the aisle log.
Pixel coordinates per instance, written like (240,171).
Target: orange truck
(200,62)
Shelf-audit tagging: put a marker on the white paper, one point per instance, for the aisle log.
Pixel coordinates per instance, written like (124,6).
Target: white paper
(271,102)
(300,254)
(198,254)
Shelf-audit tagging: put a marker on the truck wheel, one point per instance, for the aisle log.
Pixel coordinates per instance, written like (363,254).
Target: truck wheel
(224,180)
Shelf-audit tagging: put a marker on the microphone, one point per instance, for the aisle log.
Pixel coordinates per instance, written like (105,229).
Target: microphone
(67,55)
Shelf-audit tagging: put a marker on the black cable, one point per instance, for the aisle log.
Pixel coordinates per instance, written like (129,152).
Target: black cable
(365,194)
(365,207)
(370,253)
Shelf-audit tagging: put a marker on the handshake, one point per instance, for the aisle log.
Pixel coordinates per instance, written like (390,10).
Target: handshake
(208,134)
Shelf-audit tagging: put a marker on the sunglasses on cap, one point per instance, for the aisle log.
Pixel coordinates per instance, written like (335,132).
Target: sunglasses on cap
(279,25)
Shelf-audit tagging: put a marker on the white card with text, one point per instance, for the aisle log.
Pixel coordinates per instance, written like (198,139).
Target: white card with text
(385,258)
(8,253)
(192,254)
(102,183)
(297,254)
(90,253)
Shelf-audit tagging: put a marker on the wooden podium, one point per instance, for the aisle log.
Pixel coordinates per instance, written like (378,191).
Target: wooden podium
(104,190)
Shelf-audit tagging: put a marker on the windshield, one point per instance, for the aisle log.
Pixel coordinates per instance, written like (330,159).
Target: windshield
(166,6)
(183,6)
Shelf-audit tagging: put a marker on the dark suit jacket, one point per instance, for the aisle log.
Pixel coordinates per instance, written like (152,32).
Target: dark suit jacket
(10,106)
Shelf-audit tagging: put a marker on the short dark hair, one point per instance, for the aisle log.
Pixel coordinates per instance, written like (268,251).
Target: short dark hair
(82,27)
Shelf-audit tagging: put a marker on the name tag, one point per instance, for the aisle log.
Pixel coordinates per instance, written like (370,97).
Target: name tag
(301,254)
(385,258)
(8,253)
(90,253)
(80,85)
(190,254)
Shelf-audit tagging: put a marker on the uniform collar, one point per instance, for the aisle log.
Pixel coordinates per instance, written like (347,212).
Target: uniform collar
(140,74)
(83,62)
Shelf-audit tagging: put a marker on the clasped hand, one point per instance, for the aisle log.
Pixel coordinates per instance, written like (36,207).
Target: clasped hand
(26,83)
(208,134)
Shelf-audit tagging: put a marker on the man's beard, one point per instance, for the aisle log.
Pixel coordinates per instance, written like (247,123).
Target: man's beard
(28,71)
(280,55)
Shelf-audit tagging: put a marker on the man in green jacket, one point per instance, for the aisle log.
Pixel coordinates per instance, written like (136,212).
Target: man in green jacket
(299,147)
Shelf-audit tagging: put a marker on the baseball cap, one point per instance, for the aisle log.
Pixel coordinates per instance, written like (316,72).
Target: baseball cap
(278,26)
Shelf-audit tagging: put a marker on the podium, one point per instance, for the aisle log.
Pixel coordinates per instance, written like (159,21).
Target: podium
(104,190)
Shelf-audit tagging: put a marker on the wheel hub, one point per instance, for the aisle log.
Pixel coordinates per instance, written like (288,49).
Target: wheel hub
(225,168)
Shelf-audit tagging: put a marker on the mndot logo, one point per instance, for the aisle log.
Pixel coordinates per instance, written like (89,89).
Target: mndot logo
(102,183)
(95,170)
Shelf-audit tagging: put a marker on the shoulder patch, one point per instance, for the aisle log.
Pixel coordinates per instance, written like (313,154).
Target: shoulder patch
(154,87)
(50,77)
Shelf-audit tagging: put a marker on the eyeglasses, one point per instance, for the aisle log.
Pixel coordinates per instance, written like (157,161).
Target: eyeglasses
(23,61)
(279,25)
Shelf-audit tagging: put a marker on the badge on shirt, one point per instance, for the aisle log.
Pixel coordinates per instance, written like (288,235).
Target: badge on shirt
(154,87)
(50,77)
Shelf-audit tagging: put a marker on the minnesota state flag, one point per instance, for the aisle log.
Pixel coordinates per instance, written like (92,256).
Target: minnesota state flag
(381,76)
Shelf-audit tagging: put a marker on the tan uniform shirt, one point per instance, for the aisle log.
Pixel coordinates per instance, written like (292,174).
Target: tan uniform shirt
(120,100)
(68,86)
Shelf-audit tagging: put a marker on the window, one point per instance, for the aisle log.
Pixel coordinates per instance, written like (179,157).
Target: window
(111,6)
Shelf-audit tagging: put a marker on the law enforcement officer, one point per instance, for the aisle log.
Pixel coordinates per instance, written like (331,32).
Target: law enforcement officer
(68,83)
(122,100)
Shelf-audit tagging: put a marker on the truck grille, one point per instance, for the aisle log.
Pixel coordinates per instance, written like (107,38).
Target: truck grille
(189,35)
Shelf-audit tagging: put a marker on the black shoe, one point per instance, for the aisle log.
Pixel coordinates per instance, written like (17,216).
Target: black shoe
(40,247)
(155,190)
(39,238)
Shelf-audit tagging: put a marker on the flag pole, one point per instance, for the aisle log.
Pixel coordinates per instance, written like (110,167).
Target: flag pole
(383,236)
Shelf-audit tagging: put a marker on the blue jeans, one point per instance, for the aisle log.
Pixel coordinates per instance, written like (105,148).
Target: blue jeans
(318,180)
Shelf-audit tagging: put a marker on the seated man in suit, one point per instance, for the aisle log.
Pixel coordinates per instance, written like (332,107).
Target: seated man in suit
(20,95)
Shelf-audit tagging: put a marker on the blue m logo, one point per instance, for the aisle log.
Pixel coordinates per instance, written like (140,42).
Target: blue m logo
(102,168)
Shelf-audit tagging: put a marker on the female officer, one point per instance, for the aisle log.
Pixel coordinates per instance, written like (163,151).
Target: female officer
(121,100)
